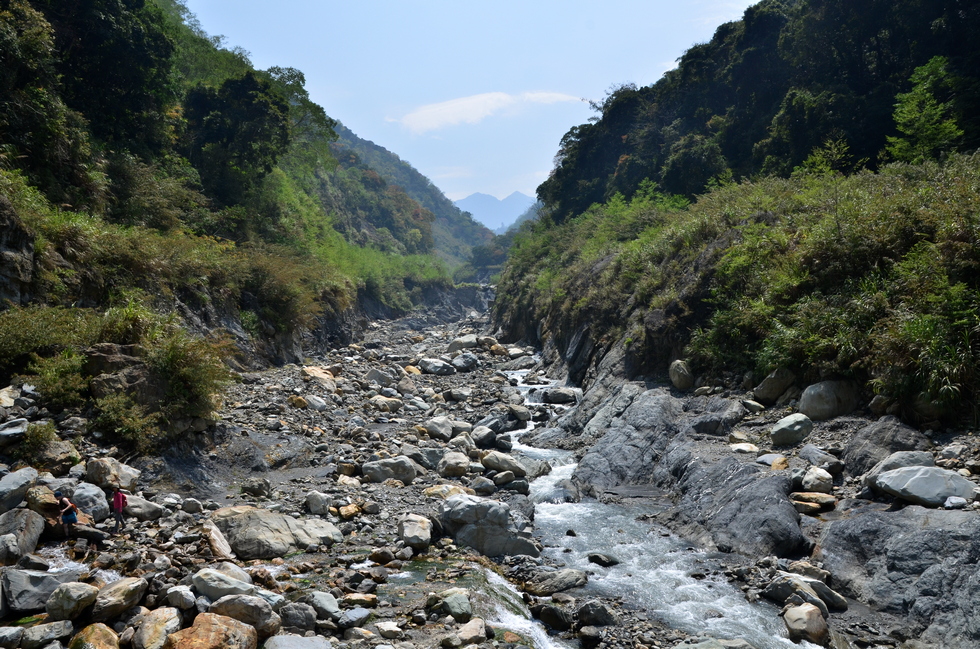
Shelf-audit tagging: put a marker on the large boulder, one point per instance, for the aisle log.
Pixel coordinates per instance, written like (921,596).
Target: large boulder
(453,465)
(250,610)
(14,486)
(107,472)
(544,584)
(26,591)
(415,531)
(142,509)
(485,526)
(469,341)
(773,386)
(215,584)
(681,375)
(397,468)
(91,499)
(790,430)
(13,431)
(95,636)
(436,366)
(261,534)
(26,526)
(805,622)
(440,428)
(69,600)
(117,597)
(156,626)
(878,440)
(212,631)
(929,486)
(898,460)
(45,635)
(497,461)
(829,399)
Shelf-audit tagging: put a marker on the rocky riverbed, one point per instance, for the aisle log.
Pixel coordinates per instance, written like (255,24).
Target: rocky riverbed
(372,496)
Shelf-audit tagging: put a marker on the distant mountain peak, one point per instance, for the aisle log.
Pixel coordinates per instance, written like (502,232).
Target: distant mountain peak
(494,212)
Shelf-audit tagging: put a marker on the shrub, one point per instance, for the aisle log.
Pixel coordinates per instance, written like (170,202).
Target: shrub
(58,379)
(36,439)
(127,422)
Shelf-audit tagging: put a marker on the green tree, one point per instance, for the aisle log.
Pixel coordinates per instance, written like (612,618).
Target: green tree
(236,135)
(924,115)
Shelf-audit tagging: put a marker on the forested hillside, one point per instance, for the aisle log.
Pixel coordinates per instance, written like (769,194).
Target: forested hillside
(454,231)
(768,89)
(799,193)
(147,169)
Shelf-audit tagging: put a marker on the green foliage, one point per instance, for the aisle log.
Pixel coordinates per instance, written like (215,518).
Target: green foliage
(926,122)
(44,331)
(871,276)
(127,423)
(39,434)
(58,378)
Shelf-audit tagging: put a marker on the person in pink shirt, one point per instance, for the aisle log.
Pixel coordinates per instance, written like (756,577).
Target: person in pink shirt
(119,502)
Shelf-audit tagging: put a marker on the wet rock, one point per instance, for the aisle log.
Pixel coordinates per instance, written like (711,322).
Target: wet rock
(69,600)
(548,583)
(877,441)
(211,631)
(604,560)
(354,617)
(927,486)
(454,602)
(791,430)
(14,486)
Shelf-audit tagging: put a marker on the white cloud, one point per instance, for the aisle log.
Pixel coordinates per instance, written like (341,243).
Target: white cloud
(474,109)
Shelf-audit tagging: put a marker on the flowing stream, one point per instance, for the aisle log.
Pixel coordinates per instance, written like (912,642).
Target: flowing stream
(657,571)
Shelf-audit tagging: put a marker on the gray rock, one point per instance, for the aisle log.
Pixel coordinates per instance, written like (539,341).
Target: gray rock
(924,485)
(436,366)
(214,584)
(469,341)
(316,403)
(559,395)
(822,459)
(915,563)
(648,445)
(681,375)
(805,622)
(250,610)
(453,465)
(143,510)
(382,378)
(12,432)
(556,617)
(548,583)
(325,605)
(595,613)
(26,591)
(43,635)
(156,626)
(875,442)
(14,486)
(817,480)
(26,526)
(898,460)
(69,600)
(397,468)
(829,399)
(91,500)
(719,416)
(354,618)
(604,560)
(181,597)
(498,461)
(484,525)
(117,597)
(466,362)
(768,458)
(456,603)
(440,428)
(791,430)
(297,642)
(415,531)
(106,472)
(318,503)
(298,616)
(10,636)
(260,534)
(773,386)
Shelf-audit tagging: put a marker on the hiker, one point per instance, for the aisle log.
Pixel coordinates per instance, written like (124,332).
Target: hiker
(119,502)
(68,513)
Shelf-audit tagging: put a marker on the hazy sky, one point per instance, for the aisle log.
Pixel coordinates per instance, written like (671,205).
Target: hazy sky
(474,94)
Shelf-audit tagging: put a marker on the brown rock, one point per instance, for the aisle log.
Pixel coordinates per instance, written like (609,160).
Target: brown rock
(211,631)
(95,636)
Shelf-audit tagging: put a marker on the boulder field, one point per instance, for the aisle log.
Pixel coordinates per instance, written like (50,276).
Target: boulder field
(357,501)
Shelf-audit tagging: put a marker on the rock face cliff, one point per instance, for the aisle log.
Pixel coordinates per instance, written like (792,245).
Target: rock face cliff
(737,476)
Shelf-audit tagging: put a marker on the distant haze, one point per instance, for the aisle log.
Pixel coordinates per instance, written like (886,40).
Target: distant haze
(493,212)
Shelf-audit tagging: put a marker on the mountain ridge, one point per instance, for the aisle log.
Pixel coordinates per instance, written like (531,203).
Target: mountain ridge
(495,213)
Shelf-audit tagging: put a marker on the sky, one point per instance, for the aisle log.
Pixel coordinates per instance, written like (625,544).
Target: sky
(474,94)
